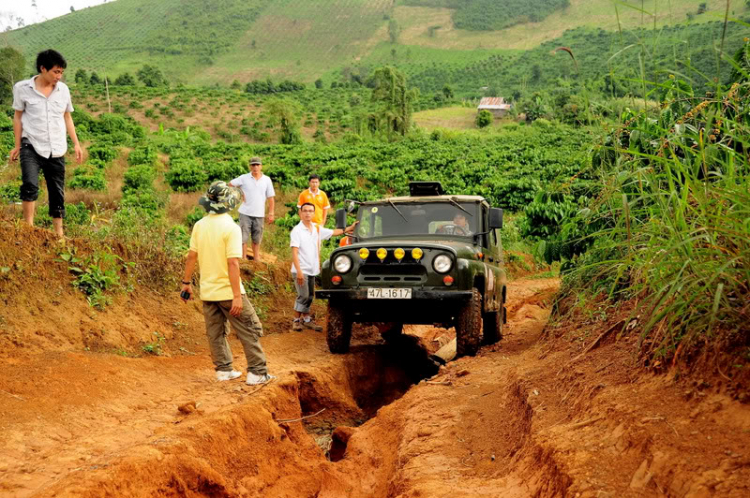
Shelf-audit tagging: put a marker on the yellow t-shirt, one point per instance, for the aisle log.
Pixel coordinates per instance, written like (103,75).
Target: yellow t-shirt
(319,200)
(216,238)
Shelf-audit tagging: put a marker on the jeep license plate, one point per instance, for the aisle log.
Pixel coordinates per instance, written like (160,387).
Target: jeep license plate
(381,293)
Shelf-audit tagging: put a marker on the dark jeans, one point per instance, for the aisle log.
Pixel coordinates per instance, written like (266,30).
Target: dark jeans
(54,172)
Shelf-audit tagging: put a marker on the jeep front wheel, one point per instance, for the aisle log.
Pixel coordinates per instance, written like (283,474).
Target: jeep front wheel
(469,326)
(338,329)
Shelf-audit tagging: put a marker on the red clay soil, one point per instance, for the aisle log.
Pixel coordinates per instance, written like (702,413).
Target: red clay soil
(528,416)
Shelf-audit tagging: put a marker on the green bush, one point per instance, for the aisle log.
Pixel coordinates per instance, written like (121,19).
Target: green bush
(103,153)
(143,155)
(139,178)
(186,176)
(195,216)
(10,192)
(484,118)
(88,178)
(224,170)
(147,201)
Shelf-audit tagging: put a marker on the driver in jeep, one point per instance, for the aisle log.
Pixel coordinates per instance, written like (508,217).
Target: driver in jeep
(459,226)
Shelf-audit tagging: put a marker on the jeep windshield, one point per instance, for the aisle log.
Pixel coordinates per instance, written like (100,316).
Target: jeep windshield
(439,219)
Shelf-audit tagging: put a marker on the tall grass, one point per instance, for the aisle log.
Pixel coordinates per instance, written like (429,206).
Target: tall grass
(670,227)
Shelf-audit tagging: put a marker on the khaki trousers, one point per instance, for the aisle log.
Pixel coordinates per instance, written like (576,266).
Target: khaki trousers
(248,328)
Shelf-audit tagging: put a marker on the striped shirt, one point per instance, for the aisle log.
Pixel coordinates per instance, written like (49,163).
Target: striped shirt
(43,118)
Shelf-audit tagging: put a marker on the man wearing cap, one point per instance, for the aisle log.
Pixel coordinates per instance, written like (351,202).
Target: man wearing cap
(216,245)
(256,188)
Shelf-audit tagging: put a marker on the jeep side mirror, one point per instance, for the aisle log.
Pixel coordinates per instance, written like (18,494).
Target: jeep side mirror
(341,218)
(496,218)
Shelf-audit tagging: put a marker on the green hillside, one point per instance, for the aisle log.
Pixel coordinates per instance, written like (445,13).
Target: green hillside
(219,41)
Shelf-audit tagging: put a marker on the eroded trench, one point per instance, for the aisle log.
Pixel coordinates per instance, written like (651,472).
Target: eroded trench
(375,376)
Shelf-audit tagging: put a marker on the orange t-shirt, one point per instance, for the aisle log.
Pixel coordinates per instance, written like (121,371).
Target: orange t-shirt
(319,200)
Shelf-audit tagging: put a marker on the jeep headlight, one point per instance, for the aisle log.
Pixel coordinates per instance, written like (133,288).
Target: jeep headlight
(442,264)
(342,263)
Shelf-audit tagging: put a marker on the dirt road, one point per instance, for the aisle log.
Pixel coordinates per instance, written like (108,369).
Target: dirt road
(519,419)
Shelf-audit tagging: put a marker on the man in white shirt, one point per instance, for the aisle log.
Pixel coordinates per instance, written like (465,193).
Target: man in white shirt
(256,188)
(306,238)
(42,118)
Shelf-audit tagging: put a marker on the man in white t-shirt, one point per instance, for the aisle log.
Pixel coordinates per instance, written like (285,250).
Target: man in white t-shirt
(306,238)
(42,118)
(256,188)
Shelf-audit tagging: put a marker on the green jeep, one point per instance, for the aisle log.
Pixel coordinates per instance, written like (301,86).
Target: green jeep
(428,258)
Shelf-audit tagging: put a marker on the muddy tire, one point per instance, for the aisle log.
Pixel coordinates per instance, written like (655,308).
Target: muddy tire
(492,327)
(338,329)
(469,326)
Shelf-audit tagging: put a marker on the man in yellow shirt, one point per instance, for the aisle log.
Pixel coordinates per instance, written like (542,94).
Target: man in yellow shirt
(317,198)
(216,245)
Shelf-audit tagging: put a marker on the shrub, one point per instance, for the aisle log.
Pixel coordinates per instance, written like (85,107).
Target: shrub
(10,192)
(484,118)
(139,178)
(195,216)
(147,201)
(143,155)
(103,153)
(88,178)
(186,176)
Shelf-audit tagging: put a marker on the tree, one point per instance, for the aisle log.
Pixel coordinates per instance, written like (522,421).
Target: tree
(81,77)
(448,92)
(536,73)
(389,88)
(95,79)
(12,65)
(484,118)
(318,83)
(236,85)
(72,9)
(702,8)
(125,79)
(151,76)
(286,112)
(393,30)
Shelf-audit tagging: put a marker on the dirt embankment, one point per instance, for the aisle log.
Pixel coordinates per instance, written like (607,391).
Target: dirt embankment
(529,416)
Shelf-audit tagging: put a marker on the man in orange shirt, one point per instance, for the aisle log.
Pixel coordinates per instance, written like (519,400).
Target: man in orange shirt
(317,198)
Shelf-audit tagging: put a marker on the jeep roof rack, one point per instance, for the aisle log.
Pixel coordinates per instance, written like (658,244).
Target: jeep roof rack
(422,189)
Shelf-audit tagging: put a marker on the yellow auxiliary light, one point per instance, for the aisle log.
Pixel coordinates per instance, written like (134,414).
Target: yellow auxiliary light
(364,253)
(399,254)
(381,253)
(417,253)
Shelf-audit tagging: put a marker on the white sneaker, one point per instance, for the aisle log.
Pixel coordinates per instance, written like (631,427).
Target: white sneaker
(256,380)
(231,375)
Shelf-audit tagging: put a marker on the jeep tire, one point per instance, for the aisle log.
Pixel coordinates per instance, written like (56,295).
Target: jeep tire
(492,325)
(338,329)
(469,326)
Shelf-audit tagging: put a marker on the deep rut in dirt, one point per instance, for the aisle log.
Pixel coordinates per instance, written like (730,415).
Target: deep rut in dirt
(377,375)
